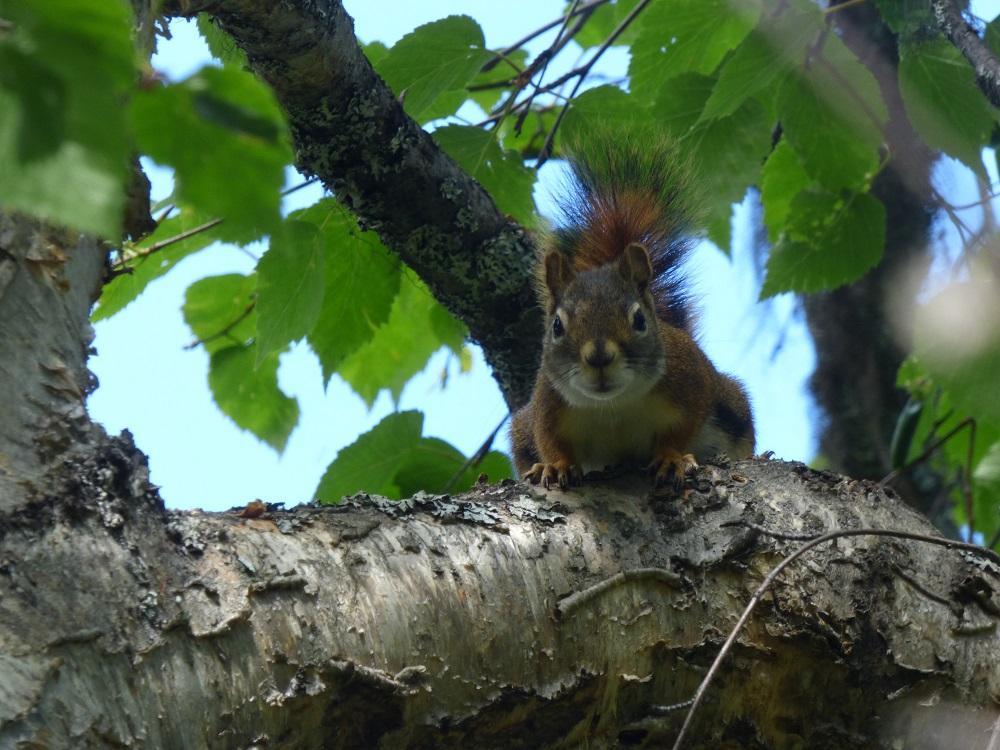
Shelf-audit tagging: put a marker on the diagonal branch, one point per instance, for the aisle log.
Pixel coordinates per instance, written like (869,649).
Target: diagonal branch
(969,43)
(351,132)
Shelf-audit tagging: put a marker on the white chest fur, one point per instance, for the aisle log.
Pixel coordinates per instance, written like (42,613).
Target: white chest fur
(618,433)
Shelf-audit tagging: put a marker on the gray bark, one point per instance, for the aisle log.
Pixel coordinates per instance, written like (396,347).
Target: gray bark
(433,622)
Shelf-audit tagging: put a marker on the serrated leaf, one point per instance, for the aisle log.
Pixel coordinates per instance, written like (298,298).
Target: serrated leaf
(680,105)
(401,347)
(772,50)
(145,268)
(290,284)
(220,44)
(603,106)
(943,102)
(603,21)
(375,51)
(224,134)
(502,173)
(534,129)
(433,464)
(726,154)
(220,311)
(370,463)
(66,67)
(685,36)
(431,66)
(361,280)
(247,392)
(782,179)
(829,241)
(906,17)
(508,68)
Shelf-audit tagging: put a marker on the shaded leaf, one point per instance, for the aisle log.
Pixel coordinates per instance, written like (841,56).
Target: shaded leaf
(431,66)
(220,44)
(247,392)
(829,240)
(290,284)
(224,134)
(361,280)
(685,36)
(783,178)
(502,173)
(370,463)
(220,311)
(603,106)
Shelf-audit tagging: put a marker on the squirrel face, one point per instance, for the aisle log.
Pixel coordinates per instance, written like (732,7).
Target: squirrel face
(602,345)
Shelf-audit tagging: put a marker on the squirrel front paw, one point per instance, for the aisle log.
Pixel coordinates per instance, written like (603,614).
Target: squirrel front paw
(560,472)
(670,467)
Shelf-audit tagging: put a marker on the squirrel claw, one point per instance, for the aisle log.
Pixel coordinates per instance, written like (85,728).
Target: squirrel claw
(670,468)
(560,472)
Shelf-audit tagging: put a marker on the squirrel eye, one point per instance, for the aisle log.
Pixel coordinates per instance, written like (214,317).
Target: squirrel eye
(557,327)
(638,321)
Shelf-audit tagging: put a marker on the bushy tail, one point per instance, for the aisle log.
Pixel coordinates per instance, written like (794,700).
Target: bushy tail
(630,187)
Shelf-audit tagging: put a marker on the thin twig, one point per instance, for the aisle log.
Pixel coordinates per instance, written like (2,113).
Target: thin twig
(225,331)
(842,6)
(546,149)
(478,456)
(574,601)
(766,584)
(585,8)
(120,266)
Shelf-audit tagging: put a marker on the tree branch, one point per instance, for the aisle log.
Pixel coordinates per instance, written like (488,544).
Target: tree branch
(969,43)
(351,131)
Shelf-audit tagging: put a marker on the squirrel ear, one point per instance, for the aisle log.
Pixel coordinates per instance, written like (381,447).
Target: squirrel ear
(634,265)
(558,272)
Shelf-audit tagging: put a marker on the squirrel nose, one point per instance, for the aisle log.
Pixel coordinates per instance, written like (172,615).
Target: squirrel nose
(599,354)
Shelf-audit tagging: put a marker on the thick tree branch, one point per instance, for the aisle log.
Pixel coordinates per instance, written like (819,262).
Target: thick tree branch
(435,622)
(969,43)
(352,133)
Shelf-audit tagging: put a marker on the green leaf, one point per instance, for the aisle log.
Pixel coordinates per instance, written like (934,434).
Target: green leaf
(361,280)
(508,68)
(220,44)
(220,311)
(144,268)
(906,17)
(431,66)
(776,47)
(247,392)
(685,36)
(226,137)
(726,153)
(783,178)
(290,286)
(502,173)
(434,463)
(680,105)
(943,102)
(603,21)
(830,240)
(402,346)
(370,463)
(832,115)
(66,67)
(986,491)
(605,107)
(534,129)
(375,52)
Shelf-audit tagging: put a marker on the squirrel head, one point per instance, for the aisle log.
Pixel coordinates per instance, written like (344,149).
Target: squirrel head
(602,341)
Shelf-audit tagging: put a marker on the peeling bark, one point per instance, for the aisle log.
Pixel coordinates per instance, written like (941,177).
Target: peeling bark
(433,622)
(351,132)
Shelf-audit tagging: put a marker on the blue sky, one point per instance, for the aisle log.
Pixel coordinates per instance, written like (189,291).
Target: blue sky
(155,387)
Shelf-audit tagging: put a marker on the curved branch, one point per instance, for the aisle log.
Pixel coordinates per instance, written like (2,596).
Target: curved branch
(351,132)
(969,43)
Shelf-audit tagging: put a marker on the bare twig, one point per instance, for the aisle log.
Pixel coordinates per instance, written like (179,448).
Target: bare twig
(546,150)
(574,601)
(478,456)
(968,42)
(585,8)
(766,584)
